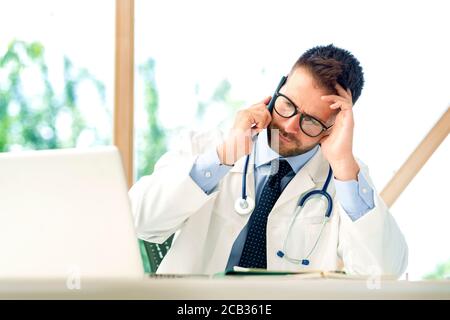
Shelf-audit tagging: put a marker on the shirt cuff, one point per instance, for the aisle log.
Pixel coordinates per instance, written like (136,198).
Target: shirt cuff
(207,171)
(356,197)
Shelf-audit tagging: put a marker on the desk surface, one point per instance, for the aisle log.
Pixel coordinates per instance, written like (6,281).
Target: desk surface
(257,287)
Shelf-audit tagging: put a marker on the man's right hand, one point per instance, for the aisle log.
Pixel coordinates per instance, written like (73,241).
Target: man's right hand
(247,123)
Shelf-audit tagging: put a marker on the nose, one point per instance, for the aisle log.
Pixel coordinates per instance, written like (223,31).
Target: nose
(292,125)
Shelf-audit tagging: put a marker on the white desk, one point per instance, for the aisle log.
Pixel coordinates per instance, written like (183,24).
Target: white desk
(264,288)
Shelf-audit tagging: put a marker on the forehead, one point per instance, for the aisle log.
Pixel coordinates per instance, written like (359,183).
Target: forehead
(302,85)
(305,92)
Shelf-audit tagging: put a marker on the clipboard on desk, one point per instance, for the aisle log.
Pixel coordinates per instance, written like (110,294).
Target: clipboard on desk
(241,271)
(309,274)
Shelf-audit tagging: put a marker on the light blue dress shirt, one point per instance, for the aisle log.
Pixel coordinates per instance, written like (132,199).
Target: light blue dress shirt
(356,197)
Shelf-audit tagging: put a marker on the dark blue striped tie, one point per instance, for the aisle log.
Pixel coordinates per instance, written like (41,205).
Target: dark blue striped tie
(254,252)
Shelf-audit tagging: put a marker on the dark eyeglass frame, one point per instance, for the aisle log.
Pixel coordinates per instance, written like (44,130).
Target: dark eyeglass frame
(296,110)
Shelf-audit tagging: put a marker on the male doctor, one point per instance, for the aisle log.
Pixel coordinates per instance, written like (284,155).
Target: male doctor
(192,191)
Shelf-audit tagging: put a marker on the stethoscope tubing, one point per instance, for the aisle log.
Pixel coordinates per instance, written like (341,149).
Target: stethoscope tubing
(323,192)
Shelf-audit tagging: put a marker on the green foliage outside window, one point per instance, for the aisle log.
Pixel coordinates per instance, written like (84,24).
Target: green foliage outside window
(442,271)
(31,121)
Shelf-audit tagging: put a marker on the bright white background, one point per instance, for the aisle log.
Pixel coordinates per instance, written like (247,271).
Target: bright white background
(403,47)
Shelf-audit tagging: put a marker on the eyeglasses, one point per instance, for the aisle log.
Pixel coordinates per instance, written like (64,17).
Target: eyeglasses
(284,106)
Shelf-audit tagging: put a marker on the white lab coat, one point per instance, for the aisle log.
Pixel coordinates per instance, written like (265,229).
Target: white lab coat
(206,226)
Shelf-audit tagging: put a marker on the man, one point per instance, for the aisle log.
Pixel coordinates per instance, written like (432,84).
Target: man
(292,148)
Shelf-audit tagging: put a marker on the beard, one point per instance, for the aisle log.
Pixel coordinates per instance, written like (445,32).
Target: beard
(290,148)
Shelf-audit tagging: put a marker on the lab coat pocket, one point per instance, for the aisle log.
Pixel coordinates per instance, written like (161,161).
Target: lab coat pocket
(313,220)
(303,237)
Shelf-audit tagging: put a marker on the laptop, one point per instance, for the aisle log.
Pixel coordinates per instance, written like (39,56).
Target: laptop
(66,213)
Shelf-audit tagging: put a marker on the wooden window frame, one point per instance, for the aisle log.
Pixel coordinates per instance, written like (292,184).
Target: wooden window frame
(416,160)
(124,85)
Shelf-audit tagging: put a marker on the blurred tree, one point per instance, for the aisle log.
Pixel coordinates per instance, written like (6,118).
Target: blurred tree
(30,120)
(153,138)
(221,97)
(442,271)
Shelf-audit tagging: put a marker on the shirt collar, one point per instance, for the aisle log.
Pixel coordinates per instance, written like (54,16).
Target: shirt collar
(265,154)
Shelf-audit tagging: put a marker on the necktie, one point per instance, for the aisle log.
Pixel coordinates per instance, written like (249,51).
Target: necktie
(254,252)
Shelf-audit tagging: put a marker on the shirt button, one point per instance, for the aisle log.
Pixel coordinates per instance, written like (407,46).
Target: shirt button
(208,174)
(364,190)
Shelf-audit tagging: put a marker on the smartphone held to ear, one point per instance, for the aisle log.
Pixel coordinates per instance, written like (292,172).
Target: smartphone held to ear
(274,96)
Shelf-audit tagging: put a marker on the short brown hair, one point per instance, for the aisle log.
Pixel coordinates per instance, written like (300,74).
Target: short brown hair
(330,65)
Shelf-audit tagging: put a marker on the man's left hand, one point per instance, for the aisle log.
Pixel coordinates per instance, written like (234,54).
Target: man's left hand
(337,146)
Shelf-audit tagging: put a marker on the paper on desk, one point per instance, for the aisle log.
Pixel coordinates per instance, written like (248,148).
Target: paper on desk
(309,274)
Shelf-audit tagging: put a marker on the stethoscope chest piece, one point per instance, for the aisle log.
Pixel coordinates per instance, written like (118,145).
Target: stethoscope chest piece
(244,206)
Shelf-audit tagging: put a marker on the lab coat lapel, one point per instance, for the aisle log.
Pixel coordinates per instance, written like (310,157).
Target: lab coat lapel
(313,173)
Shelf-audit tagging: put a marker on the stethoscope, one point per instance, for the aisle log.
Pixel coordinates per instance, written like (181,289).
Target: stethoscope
(244,205)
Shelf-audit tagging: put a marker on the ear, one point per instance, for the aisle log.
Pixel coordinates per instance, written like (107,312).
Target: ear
(332,117)
(323,139)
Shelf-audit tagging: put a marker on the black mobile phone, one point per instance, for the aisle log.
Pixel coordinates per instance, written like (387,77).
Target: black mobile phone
(272,101)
